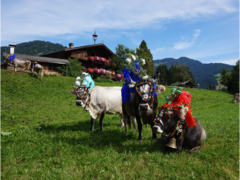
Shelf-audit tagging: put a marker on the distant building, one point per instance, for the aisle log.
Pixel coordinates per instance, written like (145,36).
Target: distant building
(95,59)
(187,84)
(49,64)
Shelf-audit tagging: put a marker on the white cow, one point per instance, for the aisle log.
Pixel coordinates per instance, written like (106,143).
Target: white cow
(18,63)
(100,101)
(39,69)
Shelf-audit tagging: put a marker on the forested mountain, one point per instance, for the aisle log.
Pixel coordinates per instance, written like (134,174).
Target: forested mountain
(34,48)
(203,73)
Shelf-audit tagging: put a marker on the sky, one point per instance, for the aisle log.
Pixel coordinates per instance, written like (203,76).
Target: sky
(203,30)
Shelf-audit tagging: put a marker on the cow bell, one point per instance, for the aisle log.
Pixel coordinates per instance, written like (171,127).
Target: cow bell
(172,143)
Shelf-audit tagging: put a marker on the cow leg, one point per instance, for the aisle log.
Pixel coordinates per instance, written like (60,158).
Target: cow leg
(92,125)
(125,119)
(122,121)
(139,128)
(129,122)
(154,136)
(134,123)
(101,120)
(179,144)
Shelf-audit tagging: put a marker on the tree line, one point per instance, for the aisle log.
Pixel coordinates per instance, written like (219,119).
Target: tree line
(176,73)
(142,51)
(231,78)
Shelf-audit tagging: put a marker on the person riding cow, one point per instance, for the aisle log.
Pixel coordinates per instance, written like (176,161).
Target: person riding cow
(139,94)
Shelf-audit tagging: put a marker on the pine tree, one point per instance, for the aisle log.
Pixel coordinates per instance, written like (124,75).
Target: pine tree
(209,87)
(214,87)
(145,53)
(163,70)
(235,83)
(231,79)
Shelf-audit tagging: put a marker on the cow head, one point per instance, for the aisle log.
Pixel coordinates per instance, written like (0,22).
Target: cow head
(145,90)
(166,121)
(81,93)
(144,96)
(6,61)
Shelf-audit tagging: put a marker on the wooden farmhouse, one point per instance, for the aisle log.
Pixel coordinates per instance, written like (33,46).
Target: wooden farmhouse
(95,60)
(187,84)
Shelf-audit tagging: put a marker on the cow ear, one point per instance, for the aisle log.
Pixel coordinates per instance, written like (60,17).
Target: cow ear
(160,89)
(72,92)
(89,85)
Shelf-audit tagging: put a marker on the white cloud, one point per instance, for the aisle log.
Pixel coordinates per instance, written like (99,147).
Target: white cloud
(182,37)
(225,61)
(183,45)
(196,34)
(31,19)
(157,50)
(186,44)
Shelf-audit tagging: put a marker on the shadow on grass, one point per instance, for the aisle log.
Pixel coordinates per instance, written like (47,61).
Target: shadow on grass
(115,138)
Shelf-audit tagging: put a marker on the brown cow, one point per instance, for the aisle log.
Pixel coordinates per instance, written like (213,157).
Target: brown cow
(236,97)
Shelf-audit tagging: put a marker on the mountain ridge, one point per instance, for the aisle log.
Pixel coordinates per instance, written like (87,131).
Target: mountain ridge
(204,73)
(36,47)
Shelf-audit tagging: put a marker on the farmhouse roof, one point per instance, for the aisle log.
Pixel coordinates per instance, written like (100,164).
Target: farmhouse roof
(82,47)
(186,83)
(38,58)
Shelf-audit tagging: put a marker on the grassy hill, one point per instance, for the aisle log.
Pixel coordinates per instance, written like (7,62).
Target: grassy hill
(36,47)
(44,135)
(204,74)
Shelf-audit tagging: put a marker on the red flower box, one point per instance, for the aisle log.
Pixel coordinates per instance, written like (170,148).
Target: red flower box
(90,70)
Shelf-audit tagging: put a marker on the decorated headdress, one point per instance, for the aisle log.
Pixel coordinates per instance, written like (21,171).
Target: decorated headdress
(179,99)
(133,72)
(11,57)
(85,80)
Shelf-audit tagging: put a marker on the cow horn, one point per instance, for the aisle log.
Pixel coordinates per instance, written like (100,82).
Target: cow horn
(145,77)
(132,82)
(74,86)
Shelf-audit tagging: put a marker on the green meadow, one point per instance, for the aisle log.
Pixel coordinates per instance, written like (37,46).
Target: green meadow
(44,135)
